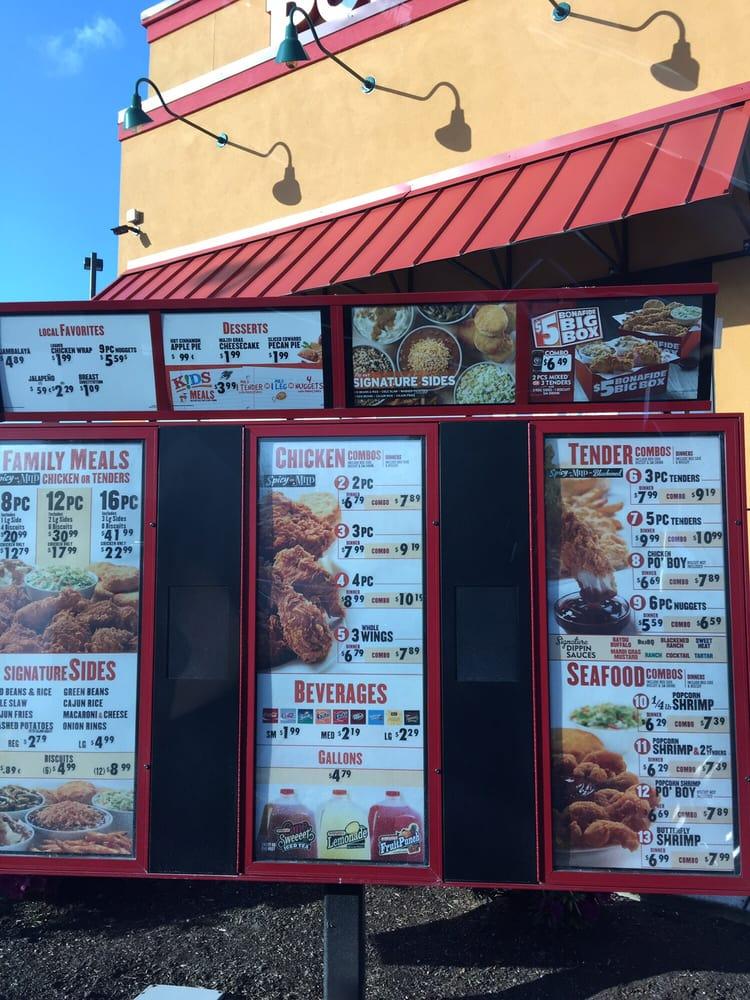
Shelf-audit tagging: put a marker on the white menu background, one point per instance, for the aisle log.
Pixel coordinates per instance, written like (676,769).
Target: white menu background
(243,361)
(79,362)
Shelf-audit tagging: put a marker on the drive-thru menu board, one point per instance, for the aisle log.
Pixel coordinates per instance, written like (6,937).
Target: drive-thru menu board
(339,651)
(71,363)
(643,770)
(263,360)
(70,554)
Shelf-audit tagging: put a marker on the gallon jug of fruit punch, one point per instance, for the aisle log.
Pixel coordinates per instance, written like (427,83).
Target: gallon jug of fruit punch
(396,831)
(343,829)
(286,831)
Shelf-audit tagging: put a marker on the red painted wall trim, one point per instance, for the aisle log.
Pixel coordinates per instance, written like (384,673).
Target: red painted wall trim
(179,16)
(346,38)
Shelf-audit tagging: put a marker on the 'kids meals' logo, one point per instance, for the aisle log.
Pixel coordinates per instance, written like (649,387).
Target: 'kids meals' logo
(295,837)
(190,380)
(405,841)
(567,327)
(353,836)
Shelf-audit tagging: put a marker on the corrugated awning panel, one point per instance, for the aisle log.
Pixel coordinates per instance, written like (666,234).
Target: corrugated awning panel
(662,164)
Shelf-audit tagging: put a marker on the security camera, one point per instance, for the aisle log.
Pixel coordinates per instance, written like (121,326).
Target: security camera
(121,230)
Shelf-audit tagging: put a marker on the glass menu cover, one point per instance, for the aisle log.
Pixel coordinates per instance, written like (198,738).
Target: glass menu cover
(92,362)
(639,657)
(620,350)
(70,557)
(434,354)
(270,359)
(339,651)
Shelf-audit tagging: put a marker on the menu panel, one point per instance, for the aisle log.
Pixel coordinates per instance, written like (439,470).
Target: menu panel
(70,556)
(262,360)
(340,651)
(71,363)
(639,656)
(436,354)
(617,349)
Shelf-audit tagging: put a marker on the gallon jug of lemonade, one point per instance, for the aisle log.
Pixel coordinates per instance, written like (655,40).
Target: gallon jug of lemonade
(343,829)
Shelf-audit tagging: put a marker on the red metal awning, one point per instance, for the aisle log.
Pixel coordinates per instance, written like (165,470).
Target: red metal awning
(658,160)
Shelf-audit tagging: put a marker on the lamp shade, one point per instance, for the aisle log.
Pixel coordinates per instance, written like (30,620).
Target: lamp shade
(288,191)
(456,134)
(135,116)
(291,50)
(680,71)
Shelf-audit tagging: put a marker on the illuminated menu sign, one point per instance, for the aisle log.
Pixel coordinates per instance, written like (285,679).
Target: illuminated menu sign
(339,651)
(70,556)
(264,360)
(618,350)
(639,659)
(72,363)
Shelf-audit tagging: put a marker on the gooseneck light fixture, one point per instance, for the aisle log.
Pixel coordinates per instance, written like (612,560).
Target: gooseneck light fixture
(680,71)
(291,51)
(287,191)
(136,117)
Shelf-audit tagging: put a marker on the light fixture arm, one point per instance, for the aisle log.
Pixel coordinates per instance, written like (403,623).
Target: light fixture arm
(263,156)
(424,97)
(222,139)
(368,82)
(632,27)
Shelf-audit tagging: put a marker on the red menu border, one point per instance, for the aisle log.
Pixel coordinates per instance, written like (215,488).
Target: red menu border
(327,872)
(32,864)
(737,590)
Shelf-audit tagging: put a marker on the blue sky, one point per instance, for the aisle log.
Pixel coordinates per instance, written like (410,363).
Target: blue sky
(67,68)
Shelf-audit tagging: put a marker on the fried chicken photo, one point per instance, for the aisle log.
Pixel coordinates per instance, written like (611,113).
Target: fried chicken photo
(16,569)
(271,646)
(64,633)
(107,614)
(38,614)
(112,640)
(647,354)
(284,523)
(116,579)
(13,597)
(19,639)
(297,569)
(305,627)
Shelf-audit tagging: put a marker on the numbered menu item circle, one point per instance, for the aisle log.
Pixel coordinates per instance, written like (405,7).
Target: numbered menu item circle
(262,360)
(88,362)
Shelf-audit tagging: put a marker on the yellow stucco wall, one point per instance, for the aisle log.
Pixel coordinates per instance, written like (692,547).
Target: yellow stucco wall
(521,77)
(213,41)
